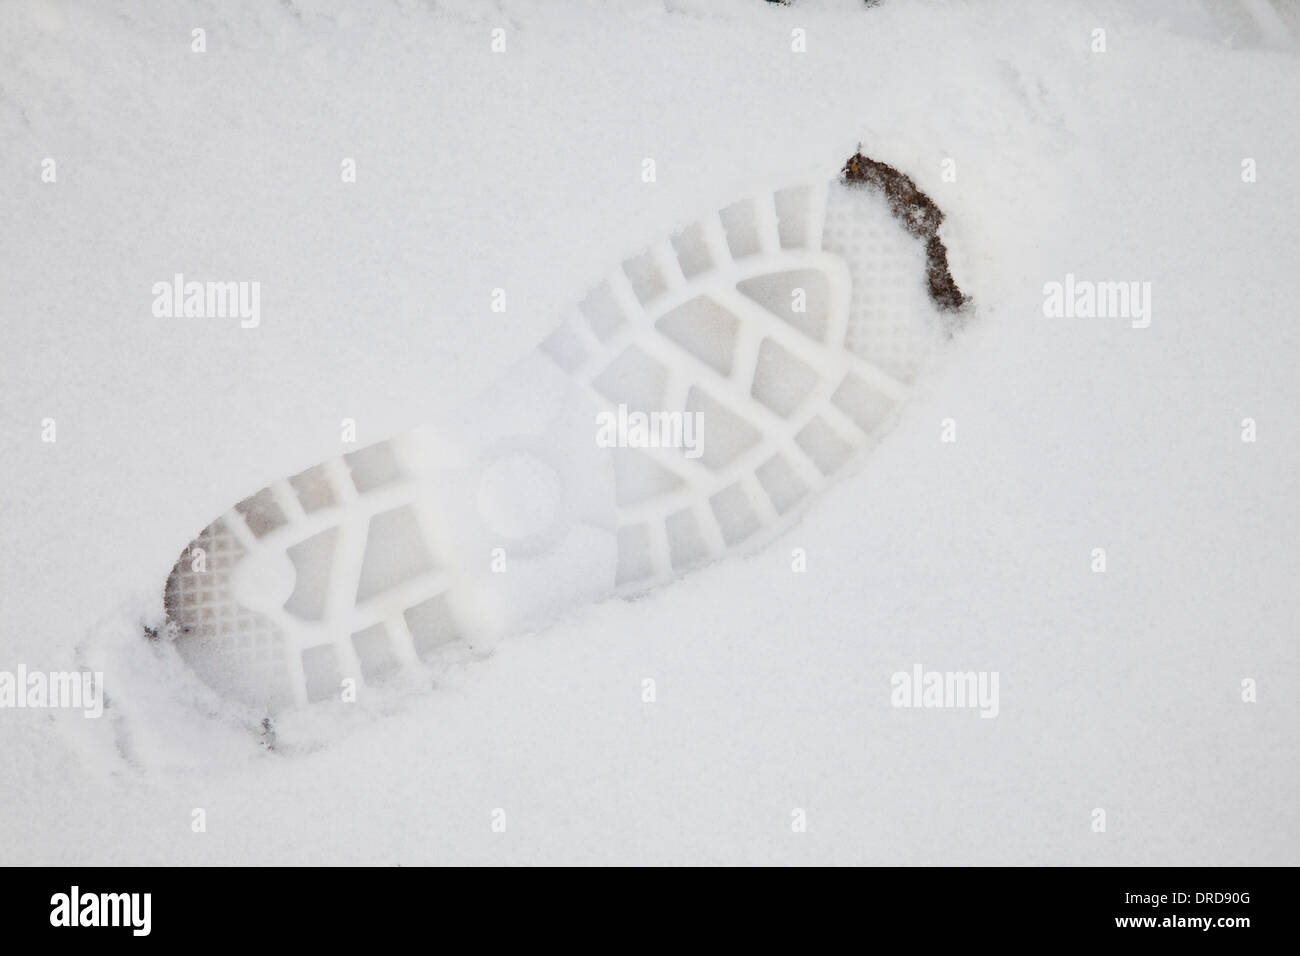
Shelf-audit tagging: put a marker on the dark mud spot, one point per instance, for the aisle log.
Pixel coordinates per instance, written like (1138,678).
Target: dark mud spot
(918,214)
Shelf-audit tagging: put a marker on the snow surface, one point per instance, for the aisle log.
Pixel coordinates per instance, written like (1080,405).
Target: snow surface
(521,170)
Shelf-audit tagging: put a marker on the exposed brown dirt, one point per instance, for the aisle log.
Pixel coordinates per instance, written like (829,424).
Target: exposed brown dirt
(918,214)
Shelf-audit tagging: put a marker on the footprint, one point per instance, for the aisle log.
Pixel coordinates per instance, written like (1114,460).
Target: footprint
(689,407)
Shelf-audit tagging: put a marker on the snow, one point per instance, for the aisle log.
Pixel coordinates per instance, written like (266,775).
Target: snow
(521,170)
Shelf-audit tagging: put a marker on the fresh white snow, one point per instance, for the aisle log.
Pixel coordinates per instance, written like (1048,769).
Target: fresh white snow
(522,170)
